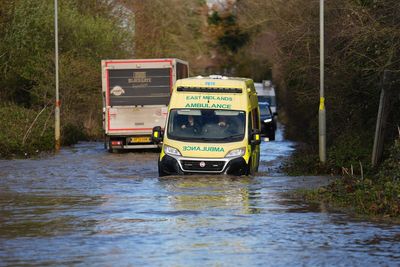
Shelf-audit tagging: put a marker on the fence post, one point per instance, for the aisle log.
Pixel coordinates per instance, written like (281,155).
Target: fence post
(383,112)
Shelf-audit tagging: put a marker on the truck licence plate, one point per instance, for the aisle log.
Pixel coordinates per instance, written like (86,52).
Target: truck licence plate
(141,139)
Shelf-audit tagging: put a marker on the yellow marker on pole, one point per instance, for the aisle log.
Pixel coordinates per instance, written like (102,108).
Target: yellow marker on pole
(322,103)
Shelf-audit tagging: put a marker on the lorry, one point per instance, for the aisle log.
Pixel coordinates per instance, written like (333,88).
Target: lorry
(213,127)
(266,93)
(136,94)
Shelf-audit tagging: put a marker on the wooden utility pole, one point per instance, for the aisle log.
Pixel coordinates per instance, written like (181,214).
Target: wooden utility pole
(383,112)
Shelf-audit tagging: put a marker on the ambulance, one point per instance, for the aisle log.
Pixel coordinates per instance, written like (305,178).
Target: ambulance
(212,127)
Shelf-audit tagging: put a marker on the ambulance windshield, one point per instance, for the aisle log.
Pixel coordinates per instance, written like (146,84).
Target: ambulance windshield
(199,125)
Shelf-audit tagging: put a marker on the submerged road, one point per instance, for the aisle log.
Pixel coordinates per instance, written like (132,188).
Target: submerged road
(86,207)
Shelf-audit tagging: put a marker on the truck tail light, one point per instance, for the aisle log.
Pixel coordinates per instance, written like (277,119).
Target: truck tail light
(116,143)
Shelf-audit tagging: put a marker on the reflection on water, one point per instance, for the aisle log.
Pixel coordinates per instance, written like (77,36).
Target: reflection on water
(203,193)
(88,207)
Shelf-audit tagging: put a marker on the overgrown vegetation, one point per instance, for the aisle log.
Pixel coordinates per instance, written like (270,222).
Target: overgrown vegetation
(348,150)
(89,31)
(374,195)
(25,132)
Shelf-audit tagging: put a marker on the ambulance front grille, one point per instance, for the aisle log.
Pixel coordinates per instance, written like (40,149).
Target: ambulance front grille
(206,166)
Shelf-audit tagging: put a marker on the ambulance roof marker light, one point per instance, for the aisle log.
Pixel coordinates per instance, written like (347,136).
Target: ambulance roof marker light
(216,77)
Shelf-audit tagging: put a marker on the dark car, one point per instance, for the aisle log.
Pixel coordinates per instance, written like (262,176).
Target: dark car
(268,122)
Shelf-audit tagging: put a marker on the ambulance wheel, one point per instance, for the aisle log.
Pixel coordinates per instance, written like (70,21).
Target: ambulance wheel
(250,170)
(161,173)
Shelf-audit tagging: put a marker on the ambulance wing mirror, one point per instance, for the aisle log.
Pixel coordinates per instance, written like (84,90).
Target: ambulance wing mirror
(255,137)
(157,135)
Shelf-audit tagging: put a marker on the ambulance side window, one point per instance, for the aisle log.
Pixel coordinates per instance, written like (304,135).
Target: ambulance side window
(254,119)
(254,122)
(250,126)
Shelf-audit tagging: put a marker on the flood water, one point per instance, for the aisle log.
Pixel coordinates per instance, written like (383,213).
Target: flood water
(86,207)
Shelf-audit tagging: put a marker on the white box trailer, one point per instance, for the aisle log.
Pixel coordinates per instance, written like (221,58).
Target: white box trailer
(136,94)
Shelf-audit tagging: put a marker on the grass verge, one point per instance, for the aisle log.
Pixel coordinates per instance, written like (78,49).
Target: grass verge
(378,195)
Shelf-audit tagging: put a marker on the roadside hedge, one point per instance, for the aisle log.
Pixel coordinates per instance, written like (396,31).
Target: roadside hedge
(25,132)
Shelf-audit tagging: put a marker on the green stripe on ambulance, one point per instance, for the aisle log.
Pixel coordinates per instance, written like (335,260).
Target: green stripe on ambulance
(204,148)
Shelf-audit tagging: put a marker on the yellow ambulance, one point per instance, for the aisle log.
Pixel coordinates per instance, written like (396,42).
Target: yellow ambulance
(213,126)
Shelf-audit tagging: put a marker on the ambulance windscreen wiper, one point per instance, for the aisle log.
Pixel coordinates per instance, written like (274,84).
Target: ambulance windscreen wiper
(234,136)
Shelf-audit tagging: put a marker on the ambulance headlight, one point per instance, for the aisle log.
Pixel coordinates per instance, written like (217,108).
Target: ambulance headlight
(267,120)
(236,153)
(169,150)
